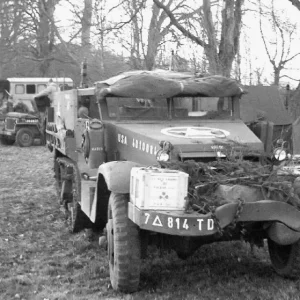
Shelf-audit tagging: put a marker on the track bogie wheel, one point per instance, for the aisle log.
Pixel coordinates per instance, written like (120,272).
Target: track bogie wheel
(68,185)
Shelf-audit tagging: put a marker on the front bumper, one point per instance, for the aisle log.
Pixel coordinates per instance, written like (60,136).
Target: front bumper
(195,224)
(7,133)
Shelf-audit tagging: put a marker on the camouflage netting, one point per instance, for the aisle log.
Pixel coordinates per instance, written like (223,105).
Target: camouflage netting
(230,181)
(166,84)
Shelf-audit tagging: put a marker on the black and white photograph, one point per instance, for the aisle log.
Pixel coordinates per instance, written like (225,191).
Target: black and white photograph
(149,149)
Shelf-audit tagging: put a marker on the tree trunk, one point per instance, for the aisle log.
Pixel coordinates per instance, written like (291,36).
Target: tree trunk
(220,56)
(154,38)
(135,54)
(276,75)
(230,34)
(211,48)
(86,25)
(45,34)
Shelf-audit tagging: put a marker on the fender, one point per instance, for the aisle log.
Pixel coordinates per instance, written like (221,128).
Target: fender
(116,176)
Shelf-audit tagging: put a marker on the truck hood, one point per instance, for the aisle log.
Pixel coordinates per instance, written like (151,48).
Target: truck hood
(190,139)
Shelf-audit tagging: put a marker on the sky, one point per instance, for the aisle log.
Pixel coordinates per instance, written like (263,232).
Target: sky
(251,42)
(254,42)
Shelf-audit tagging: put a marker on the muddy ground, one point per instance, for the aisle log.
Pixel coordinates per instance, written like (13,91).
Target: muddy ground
(40,259)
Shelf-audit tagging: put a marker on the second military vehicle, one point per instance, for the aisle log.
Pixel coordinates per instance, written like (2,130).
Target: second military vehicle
(21,122)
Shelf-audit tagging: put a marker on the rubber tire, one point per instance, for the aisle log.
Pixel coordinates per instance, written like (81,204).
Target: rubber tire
(285,259)
(124,246)
(21,134)
(6,141)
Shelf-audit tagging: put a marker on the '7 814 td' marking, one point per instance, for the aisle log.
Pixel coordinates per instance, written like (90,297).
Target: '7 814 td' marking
(180,223)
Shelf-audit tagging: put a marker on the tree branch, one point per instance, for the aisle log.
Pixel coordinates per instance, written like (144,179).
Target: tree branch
(73,58)
(296,3)
(263,37)
(289,77)
(174,22)
(288,59)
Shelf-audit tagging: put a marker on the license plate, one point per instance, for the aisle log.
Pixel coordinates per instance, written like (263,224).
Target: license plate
(178,223)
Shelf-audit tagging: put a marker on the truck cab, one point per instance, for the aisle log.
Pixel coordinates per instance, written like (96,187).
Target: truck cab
(159,157)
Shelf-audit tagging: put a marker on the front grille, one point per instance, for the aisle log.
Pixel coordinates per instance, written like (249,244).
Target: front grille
(10,123)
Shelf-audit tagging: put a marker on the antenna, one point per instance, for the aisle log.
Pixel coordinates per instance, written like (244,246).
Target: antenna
(83,73)
(171,67)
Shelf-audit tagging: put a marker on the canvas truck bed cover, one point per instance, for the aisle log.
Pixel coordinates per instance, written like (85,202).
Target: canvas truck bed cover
(166,84)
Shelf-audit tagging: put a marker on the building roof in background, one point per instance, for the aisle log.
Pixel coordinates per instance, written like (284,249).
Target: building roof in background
(264,100)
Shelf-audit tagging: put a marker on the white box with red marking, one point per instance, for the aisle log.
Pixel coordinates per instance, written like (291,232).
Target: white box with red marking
(158,189)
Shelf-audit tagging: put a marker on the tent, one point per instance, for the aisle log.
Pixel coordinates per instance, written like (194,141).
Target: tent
(264,101)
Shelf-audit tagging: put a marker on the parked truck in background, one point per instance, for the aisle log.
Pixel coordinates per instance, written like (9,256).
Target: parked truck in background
(21,122)
(154,158)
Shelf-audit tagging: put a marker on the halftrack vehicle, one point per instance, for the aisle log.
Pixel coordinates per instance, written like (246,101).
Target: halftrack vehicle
(155,157)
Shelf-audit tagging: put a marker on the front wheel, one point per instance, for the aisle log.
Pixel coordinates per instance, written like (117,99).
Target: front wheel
(285,258)
(24,137)
(124,246)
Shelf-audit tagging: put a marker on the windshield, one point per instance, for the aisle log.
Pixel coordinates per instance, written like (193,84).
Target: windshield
(157,109)
(24,106)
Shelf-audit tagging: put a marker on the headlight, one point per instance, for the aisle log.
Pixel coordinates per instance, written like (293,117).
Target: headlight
(280,154)
(164,153)
(162,156)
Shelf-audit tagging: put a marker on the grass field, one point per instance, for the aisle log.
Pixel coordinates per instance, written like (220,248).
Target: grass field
(40,260)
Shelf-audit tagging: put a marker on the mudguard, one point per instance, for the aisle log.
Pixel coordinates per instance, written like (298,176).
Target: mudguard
(117,177)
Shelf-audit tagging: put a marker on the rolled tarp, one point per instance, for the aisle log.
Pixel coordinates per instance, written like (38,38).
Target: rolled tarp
(166,84)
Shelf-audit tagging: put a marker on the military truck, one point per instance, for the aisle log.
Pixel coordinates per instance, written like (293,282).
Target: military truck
(148,149)
(21,122)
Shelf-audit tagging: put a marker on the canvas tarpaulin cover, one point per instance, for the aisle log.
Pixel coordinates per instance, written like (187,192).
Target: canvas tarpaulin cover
(166,84)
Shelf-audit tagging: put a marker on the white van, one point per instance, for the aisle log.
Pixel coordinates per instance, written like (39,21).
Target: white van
(23,89)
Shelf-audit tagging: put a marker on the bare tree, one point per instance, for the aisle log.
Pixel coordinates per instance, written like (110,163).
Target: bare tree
(278,47)
(86,23)
(219,52)
(10,29)
(147,38)
(45,33)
